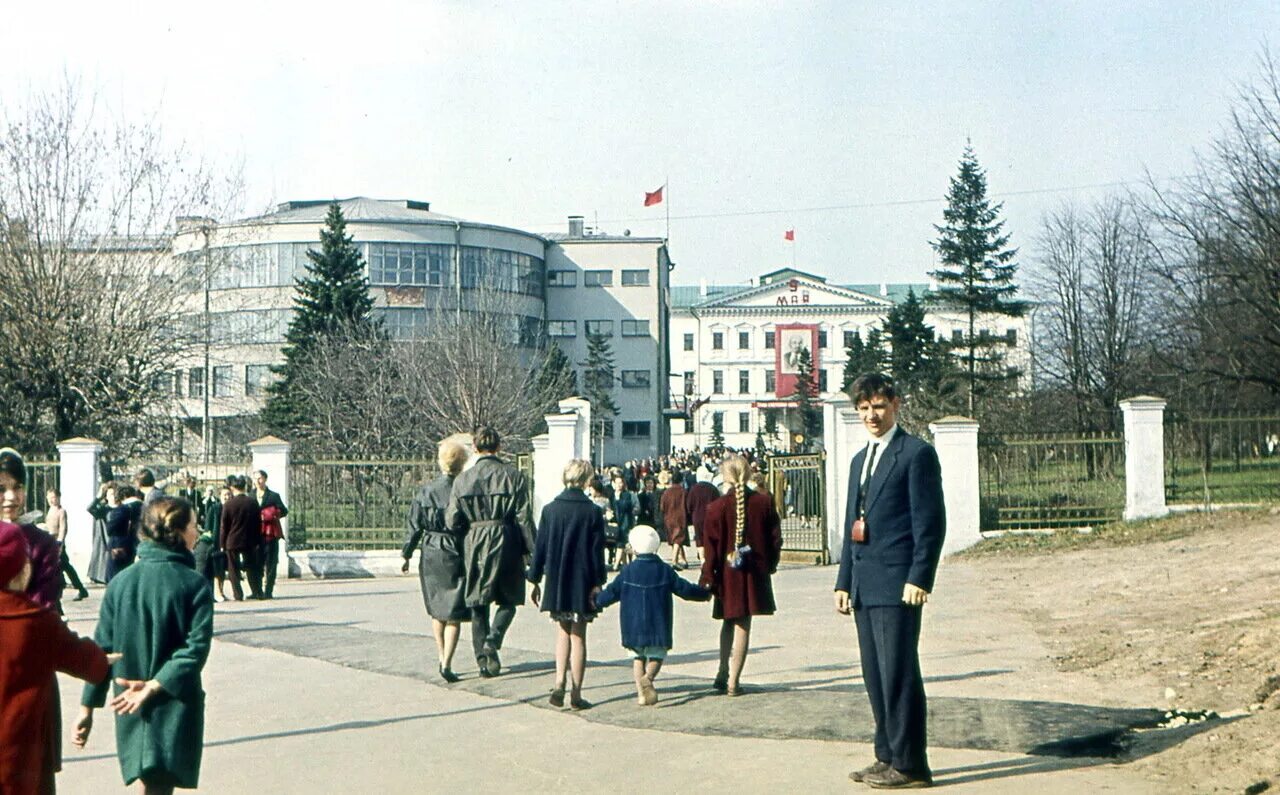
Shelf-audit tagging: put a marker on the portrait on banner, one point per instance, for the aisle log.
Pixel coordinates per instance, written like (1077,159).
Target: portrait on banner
(792,342)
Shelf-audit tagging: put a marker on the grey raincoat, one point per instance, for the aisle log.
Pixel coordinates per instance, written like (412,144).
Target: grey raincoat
(489,508)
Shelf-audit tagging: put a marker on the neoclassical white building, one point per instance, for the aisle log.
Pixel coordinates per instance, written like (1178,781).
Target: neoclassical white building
(732,345)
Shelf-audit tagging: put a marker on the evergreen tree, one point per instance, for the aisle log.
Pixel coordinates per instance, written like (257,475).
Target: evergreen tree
(912,356)
(762,450)
(333,298)
(716,440)
(863,357)
(806,397)
(556,379)
(977,272)
(597,385)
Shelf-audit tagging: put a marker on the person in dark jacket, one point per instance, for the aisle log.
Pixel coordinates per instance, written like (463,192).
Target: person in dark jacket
(645,587)
(240,535)
(675,521)
(145,483)
(98,509)
(624,515)
(741,550)
(440,567)
(570,553)
(489,508)
(696,500)
(122,527)
(272,509)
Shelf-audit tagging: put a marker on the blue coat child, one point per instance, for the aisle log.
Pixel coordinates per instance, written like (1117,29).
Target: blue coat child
(644,587)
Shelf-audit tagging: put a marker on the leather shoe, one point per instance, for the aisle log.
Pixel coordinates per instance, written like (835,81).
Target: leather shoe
(875,767)
(492,665)
(896,779)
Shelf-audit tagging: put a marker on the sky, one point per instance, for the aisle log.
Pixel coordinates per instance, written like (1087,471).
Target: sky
(840,120)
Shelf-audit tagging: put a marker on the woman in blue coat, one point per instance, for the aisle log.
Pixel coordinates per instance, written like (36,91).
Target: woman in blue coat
(569,552)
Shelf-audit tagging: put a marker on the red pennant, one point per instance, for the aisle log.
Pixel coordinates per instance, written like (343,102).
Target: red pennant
(651,199)
(790,234)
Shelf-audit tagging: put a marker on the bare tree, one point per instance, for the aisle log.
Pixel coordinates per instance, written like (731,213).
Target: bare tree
(90,311)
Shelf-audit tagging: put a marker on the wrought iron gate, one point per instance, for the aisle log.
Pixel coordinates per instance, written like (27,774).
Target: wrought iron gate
(798,486)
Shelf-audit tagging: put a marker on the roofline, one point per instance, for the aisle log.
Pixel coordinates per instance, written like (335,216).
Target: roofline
(265,220)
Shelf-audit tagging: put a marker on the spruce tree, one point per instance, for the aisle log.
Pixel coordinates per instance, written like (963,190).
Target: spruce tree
(716,440)
(977,273)
(556,379)
(911,340)
(332,298)
(762,450)
(806,397)
(597,385)
(863,357)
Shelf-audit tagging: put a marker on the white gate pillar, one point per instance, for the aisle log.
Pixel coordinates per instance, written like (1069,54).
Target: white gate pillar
(956,440)
(272,455)
(78,478)
(844,437)
(1143,457)
(581,408)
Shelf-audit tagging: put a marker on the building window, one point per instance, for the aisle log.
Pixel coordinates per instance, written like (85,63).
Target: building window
(195,382)
(848,338)
(403,323)
(635,429)
(717,382)
(635,379)
(688,342)
(162,383)
(744,422)
(688,424)
(768,340)
(744,340)
(562,278)
(635,328)
(822,380)
(606,428)
(717,419)
(688,382)
(717,340)
(415,264)
(598,328)
(744,382)
(822,339)
(222,381)
(957,335)
(635,278)
(256,378)
(770,381)
(1011,338)
(562,328)
(597,278)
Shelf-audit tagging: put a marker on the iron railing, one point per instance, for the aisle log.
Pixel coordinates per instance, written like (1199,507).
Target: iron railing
(1040,481)
(798,486)
(1222,458)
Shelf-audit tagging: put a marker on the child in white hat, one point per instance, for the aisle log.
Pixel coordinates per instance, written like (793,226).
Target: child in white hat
(645,587)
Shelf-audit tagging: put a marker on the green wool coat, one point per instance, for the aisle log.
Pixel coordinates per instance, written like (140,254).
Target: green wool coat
(159,614)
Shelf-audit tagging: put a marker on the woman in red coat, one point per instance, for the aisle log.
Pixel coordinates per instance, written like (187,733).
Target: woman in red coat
(674,519)
(740,554)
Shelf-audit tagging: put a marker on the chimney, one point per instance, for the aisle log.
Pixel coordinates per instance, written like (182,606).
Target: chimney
(702,287)
(576,226)
(884,290)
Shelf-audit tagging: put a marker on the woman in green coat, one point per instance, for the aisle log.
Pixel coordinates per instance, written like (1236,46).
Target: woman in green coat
(158,613)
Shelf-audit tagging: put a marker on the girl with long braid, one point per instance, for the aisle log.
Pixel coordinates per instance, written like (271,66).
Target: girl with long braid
(741,550)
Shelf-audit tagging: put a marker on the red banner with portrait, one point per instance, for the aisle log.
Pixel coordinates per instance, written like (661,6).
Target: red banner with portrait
(788,341)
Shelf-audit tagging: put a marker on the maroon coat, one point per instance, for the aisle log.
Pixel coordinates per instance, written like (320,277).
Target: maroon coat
(241,528)
(699,496)
(34,643)
(747,591)
(674,518)
(46,585)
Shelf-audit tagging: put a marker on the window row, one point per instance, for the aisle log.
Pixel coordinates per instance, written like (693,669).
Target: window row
(597,277)
(718,338)
(629,379)
(596,328)
(744,381)
(408,323)
(191,382)
(631,429)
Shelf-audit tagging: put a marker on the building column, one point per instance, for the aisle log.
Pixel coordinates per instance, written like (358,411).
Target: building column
(581,408)
(956,440)
(1144,457)
(78,479)
(272,455)
(844,435)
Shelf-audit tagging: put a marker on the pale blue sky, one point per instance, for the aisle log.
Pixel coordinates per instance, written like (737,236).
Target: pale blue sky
(524,113)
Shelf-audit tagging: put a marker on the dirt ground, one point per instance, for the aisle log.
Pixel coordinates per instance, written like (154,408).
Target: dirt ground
(1186,608)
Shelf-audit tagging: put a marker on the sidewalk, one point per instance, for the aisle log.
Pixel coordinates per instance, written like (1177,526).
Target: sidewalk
(331,687)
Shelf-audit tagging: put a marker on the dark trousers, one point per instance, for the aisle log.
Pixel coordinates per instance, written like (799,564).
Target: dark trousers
(270,557)
(887,641)
(70,576)
(484,636)
(249,561)
(118,559)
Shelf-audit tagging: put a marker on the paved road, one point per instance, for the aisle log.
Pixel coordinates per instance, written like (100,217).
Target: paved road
(331,688)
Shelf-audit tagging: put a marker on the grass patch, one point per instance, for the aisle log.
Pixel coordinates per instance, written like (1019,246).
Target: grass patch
(1113,534)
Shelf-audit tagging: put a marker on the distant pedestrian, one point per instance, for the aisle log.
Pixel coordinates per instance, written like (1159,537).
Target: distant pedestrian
(240,536)
(159,614)
(122,527)
(675,520)
(624,513)
(440,562)
(56,523)
(145,483)
(34,644)
(271,510)
(569,552)
(99,509)
(489,507)
(741,550)
(696,500)
(645,588)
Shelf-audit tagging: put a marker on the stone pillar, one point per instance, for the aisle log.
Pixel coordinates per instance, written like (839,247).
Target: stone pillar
(581,407)
(956,440)
(78,478)
(272,456)
(567,437)
(845,435)
(1143,457)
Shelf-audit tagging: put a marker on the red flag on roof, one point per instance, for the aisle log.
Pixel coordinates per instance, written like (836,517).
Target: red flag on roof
(790,234)
(651,199)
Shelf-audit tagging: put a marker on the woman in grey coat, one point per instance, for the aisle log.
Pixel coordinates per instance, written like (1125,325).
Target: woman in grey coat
(440,565)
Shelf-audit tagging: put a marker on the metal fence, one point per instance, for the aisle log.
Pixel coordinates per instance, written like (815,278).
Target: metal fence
(353,504)
(798,486)
(1222,458)
(1040,481)
(41,476)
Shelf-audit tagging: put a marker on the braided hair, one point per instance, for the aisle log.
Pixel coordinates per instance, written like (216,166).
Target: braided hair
(734,470)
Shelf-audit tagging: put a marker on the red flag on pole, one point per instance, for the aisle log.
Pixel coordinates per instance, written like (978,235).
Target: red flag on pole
(651,199)
(790,234)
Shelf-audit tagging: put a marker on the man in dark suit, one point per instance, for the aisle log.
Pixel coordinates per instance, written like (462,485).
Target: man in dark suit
(240,534)
(272,511)
(894,526)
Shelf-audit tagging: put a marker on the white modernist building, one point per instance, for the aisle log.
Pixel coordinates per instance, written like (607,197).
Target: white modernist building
(732,347)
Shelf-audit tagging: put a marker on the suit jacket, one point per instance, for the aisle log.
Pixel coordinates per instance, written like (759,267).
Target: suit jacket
(272,510)
(241,524)
(906,523)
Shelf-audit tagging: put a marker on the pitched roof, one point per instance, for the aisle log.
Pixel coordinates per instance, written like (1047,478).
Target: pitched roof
(689,296)
(358,208)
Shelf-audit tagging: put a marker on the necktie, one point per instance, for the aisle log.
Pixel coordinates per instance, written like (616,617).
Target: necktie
(866,480)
